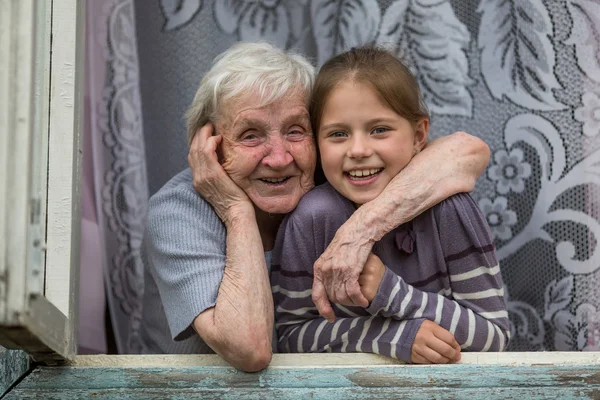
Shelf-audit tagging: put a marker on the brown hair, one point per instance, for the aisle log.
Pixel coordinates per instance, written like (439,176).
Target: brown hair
(390,78)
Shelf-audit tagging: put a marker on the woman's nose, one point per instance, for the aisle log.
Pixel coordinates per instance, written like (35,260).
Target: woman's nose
(359,147)
(278,156)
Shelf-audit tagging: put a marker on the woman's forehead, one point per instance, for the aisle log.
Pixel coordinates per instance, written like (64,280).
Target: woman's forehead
(251,108)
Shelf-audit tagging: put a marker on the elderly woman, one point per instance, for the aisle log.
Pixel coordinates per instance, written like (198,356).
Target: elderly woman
(211,228)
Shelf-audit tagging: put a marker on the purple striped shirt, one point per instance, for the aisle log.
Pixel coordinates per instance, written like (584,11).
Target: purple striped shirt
(441,266)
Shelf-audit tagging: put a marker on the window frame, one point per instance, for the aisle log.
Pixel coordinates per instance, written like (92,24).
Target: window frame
(41,67)
(40,129)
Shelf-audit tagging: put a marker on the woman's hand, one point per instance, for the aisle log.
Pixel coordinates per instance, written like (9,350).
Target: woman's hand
(211,180)
(371,276)
(337,270)
(434,345)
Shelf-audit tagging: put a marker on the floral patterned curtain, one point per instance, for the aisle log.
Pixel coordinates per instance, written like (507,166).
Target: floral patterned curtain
(524,75)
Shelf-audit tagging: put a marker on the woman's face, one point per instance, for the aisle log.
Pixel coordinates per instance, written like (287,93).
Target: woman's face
(268,151)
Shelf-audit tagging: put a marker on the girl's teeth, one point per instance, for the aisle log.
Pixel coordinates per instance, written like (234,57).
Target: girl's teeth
(364,172)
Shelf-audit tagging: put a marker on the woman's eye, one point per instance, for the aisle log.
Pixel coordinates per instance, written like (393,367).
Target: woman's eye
(380,130)
(296,135)
(249,136)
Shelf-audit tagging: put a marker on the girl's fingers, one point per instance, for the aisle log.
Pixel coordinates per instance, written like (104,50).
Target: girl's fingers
(418,359)
(445,336)
(432,356)
(442,348)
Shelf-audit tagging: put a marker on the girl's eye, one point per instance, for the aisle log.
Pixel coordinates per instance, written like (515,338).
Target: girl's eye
(337,134)
(380,130)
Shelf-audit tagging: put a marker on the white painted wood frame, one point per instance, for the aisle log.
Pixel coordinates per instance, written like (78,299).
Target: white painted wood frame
(329,360)
(41,70)
(40,124)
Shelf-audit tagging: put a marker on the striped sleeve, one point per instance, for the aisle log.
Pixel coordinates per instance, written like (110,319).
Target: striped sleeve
(300,328)
(475,309)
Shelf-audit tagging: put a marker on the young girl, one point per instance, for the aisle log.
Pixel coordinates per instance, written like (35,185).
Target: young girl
(433,284)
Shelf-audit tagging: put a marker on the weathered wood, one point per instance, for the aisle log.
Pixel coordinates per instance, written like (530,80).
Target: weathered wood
(13,365)
(307,393)
(475,381)
(17,54)
(38,104)
(415,376)
(64,162)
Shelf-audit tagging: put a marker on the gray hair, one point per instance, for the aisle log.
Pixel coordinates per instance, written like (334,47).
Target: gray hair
(247,68)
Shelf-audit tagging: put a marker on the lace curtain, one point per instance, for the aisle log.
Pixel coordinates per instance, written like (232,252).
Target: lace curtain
(524,75)
(114,178)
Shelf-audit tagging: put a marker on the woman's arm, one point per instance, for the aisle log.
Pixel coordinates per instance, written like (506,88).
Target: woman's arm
(240,326)
(447,166)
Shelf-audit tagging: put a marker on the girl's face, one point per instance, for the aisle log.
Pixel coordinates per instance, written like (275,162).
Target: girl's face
(363,143)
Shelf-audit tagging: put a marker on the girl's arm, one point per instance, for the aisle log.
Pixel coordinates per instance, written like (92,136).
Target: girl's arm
(477,319)
(447,165)
(303,331)
(475,311)
(300,328)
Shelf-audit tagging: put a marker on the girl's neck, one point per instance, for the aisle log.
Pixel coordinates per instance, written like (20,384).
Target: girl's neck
(268,224)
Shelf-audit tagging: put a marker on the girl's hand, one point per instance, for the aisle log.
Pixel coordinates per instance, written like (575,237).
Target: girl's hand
(434,345)
(371,276)
(210,179)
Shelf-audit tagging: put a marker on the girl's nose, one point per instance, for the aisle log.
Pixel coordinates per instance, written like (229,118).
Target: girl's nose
(359,147)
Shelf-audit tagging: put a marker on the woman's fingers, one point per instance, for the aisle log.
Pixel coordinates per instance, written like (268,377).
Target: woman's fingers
(202,134)
(319,297)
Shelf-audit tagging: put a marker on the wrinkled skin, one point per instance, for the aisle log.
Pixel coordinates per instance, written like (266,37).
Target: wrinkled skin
(253,166)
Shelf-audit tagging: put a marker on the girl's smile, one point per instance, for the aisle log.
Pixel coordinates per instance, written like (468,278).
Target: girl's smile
(363,142)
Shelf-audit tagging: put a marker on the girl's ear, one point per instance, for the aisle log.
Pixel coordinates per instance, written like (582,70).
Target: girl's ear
(421,130)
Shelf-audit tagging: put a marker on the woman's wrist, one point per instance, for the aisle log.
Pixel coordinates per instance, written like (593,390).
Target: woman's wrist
(238,213)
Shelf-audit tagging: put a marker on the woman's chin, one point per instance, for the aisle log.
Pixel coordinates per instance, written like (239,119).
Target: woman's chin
(277,205)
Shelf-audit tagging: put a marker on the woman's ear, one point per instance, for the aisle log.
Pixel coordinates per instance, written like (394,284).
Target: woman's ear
(421,131)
